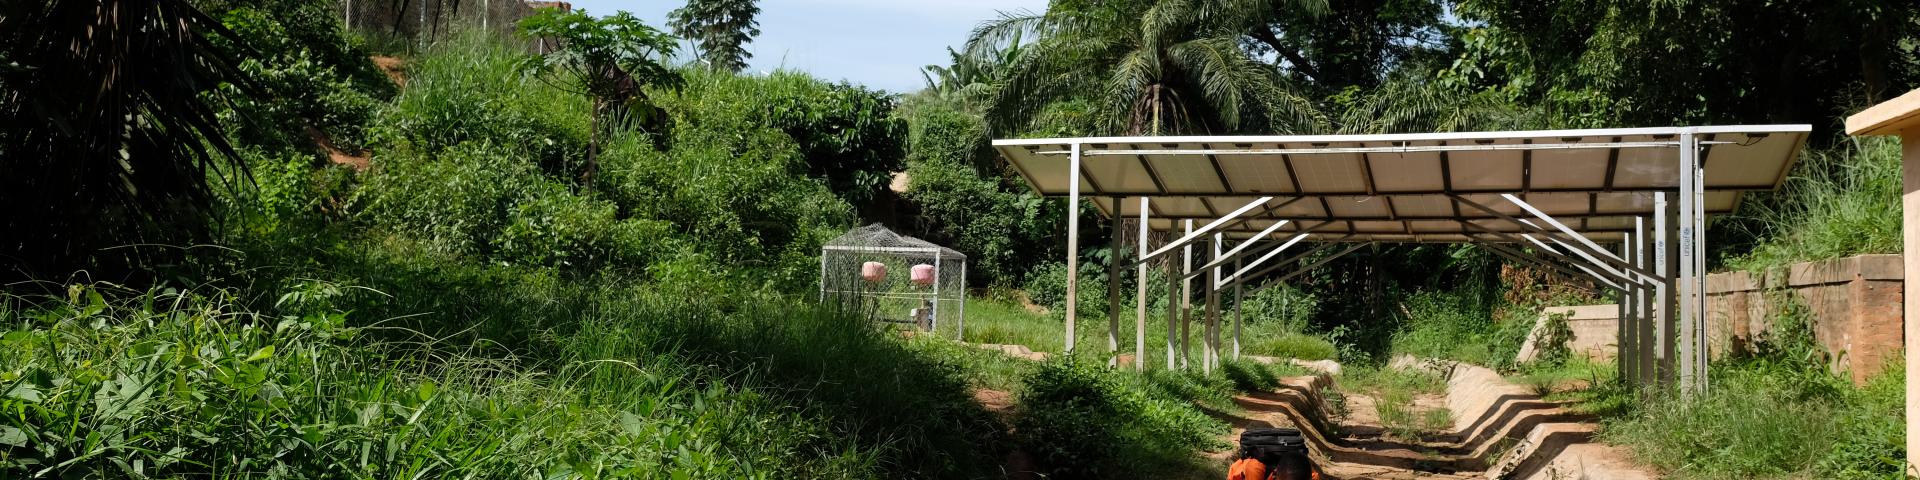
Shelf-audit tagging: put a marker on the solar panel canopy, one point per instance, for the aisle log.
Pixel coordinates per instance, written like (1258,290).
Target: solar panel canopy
(1408,187)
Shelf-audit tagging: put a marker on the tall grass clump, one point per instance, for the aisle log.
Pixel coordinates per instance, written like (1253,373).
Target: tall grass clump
(1837,202)
(1082,421)
(1774,413)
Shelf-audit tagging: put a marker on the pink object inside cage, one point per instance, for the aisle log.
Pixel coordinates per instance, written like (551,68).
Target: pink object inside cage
(923,274)
(873,271)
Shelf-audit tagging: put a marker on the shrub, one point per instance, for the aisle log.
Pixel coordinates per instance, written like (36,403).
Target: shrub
(845,134)
(471,89)
(1554,340)
(967,197)
(456,200)
(312,76)
(572,232)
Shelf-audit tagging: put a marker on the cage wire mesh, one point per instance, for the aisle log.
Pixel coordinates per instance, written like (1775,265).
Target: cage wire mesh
(933,299)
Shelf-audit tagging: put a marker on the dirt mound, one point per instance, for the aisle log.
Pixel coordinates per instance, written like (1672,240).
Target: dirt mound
(395,68)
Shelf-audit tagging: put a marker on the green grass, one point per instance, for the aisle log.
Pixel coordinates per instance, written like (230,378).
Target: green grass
(1081,418)
(1759,422)
(998,321)
(1394,391)
(104,382)
(1577,371)
(1836,203)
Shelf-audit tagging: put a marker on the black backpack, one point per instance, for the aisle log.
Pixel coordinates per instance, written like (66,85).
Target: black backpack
(1269,444)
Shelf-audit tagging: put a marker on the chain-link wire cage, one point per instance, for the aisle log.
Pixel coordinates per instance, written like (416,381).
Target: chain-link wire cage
(897,280)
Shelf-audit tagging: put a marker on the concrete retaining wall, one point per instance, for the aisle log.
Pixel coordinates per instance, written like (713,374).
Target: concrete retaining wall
(1855,303)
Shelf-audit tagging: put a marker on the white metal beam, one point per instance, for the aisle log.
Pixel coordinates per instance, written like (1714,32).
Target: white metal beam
(1601,255)
(1195,234)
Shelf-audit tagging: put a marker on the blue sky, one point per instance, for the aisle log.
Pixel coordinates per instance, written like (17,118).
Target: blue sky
(879,43)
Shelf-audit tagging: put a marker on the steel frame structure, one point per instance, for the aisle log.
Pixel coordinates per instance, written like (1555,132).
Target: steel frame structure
(1655,269)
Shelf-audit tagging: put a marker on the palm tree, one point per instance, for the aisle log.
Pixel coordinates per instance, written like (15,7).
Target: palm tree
(1409,103)
(108,136)
(1152,66)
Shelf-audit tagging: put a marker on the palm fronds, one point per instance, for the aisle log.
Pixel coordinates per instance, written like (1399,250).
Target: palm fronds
(108,128)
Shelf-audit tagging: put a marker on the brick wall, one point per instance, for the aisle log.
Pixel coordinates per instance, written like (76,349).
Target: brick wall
(1855,303)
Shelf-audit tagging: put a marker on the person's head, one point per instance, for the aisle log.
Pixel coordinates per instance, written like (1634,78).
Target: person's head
(1288,467)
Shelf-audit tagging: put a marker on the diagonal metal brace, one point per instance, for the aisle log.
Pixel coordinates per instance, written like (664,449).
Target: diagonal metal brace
(1203,231)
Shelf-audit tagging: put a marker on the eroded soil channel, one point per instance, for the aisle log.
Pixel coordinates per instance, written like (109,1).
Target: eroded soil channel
(1475,425)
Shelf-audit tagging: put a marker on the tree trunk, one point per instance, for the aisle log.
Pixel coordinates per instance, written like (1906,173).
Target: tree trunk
(593,145)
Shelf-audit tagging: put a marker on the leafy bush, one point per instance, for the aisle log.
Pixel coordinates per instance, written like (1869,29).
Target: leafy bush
(966,197)
(471,88)
(845,134)
(1286,305)
(1440,325)
(732,190)
(1553,342)
(311,73)
(1047,287)
(460,200)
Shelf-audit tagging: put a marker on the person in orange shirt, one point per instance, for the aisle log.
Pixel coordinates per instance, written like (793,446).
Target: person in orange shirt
(1286,467)
(1247,468)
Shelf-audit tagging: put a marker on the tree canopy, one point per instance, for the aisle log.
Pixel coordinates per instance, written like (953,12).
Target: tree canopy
(719,30)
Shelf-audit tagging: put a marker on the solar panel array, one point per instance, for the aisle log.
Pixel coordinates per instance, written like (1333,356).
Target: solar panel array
(1408,187)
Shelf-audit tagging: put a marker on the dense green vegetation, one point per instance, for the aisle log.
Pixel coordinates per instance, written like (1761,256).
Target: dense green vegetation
(234,247)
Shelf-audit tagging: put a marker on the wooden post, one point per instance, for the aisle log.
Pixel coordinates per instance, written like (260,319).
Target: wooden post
(1901,116)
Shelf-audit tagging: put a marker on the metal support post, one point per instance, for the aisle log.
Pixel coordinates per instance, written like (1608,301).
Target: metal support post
(1690,143)
(1073,242)
(1623,318)
(1643,318)
(933,317)
(1140,294)
(1186,300)
(1113,287)
(1209,320)
(1173,309)
(1688,290)
(1239,316)
(960,317)
(1209,341)
(1666,257)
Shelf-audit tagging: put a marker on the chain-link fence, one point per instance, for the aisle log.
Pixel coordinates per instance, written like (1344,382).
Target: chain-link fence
(896,279)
